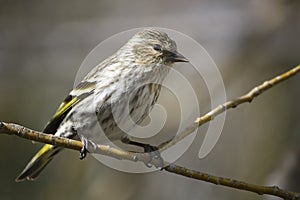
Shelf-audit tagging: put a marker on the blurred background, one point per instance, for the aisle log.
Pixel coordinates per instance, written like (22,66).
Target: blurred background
(44,42)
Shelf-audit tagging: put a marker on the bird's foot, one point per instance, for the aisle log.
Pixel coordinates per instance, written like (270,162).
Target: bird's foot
(154,156)
(86,144)
(83,150)
(83,153)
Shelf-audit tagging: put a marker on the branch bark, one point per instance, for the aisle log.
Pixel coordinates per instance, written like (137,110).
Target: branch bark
(248,97)
(21,131)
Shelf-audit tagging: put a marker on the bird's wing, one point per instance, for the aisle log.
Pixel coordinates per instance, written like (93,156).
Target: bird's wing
(83,90)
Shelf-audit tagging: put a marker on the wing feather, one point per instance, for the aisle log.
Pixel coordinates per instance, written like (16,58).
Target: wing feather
(83,90)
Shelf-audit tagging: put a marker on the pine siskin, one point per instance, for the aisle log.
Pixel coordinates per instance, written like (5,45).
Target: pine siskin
(143,61)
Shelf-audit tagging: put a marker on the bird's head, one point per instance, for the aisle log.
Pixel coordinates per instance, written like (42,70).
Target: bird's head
(151,46)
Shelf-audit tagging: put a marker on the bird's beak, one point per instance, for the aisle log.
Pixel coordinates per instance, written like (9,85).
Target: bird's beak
(176,57)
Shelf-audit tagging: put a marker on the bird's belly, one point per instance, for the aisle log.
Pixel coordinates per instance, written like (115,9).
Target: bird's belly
(111,120)
(120,117)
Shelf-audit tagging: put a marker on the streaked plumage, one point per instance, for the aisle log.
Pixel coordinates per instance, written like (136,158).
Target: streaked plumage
(133,74)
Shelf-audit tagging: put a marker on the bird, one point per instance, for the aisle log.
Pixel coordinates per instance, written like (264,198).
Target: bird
(131,77)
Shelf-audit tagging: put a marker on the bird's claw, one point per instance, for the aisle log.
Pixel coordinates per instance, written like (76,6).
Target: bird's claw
(85,144)
(153,153)
(154,156)
(83,153)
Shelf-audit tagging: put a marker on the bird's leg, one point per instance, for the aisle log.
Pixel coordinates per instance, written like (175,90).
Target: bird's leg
(147,147)
(153,151)
(88,146)
(83,150)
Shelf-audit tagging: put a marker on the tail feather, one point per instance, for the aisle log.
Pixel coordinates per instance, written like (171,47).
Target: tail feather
(45,155)
(38,163)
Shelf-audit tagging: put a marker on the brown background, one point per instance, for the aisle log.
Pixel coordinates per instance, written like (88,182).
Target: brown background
(42,44)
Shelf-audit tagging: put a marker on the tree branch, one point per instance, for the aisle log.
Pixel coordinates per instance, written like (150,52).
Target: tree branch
(261,190)
(248,97)
(21,131)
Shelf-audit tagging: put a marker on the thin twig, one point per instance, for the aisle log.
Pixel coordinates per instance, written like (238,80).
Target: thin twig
(231,104)
(271,190)
(21,131)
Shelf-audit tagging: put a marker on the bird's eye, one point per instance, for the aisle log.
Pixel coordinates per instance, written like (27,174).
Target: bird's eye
(157,47)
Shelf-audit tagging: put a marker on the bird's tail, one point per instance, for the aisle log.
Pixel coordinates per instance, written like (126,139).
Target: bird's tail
(38,163)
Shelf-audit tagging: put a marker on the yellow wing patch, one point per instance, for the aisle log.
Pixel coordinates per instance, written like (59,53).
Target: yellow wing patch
(43,150)
(65,106)
(60,114)
(83,90)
